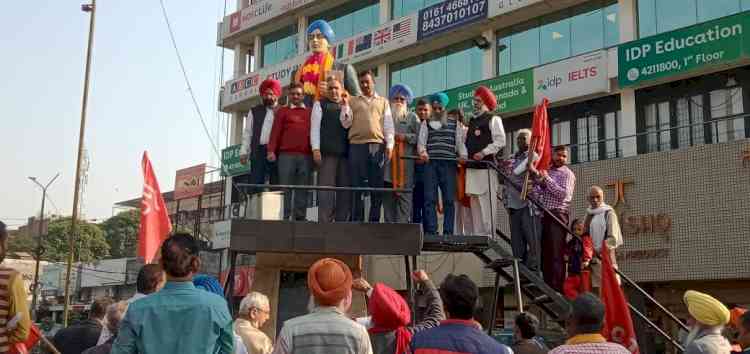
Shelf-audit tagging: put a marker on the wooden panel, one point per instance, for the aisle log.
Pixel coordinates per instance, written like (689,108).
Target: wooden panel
(336,238)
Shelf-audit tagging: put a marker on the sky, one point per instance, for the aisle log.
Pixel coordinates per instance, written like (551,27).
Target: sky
(138,99)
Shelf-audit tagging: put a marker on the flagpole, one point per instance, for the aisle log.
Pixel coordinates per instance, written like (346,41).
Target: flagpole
(74,219)
(530,157)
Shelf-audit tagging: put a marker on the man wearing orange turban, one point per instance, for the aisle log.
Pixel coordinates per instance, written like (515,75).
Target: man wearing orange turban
(330,283)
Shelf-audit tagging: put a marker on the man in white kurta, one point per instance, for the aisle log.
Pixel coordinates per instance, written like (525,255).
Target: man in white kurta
(485,137)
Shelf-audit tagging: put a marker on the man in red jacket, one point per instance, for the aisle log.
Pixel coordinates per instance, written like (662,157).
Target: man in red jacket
(290,140)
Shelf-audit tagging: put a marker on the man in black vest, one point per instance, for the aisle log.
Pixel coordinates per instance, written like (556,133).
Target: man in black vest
(484,138)
(330,147)
(255,137)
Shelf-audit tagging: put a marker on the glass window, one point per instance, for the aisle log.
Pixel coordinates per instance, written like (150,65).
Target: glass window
(725,103)
(612,130)
(555,41)
(561,133)
(587,144)
(439,71)
(352,18)
(657,122)
(583,39)
(560,35)
(279,46)
(657,16)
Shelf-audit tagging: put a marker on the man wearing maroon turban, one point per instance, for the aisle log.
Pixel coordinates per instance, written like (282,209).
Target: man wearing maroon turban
(485,137)
(256,135)
(330,283)
(390,332)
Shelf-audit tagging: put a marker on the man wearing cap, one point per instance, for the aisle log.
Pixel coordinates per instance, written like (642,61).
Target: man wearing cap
(330,148)
(327,326)
(255,137)
(485,137)
(399,173)
(371,140)
(440,142)
(710,317)
(313,74)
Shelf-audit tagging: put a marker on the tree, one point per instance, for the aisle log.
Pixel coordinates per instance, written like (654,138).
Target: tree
(121,232)
(89,245)
(21,242)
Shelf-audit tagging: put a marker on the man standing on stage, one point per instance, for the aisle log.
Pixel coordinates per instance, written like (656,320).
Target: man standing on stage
(258,126)
(399,173)
(485,137)
(290,139)
(371,139)
(554,189)
(440,138)
(330,148)
(423,113)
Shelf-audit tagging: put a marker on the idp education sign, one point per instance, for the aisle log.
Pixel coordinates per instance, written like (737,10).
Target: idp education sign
(449,15)
(230,161)
(709,44)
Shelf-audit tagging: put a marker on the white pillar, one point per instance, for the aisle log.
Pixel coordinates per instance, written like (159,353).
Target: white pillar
(257,52)
(385,11)
(241,4)
(382,84)
(490,55)
(628,21)
(236,121)
(302,35)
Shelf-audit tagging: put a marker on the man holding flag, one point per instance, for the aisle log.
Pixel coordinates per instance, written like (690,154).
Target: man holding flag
(155,223)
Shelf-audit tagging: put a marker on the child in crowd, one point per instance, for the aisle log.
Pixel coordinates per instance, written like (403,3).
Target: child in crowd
(578,254)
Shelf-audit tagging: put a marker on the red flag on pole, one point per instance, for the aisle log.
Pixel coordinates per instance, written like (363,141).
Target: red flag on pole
(155,223)
(618,325)
(540,136)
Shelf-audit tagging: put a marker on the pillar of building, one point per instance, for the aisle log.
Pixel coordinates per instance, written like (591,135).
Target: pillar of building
(302,23)
(385,11)
(490,55)
(628,18)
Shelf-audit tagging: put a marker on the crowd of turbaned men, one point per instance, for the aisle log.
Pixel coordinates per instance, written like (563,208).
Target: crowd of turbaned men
(179,310)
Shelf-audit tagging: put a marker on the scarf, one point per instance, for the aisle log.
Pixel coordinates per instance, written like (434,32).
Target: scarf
(313,71)
(598,227)
(398,165)
(461,195)
(585,339)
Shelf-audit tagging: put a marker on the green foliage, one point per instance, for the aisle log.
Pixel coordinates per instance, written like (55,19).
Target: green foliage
(89,245)
(21,242)
(121,232)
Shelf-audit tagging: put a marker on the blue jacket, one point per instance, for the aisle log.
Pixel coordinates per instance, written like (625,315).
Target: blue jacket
(456,337)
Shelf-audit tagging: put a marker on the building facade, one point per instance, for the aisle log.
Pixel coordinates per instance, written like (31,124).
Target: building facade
(651,96)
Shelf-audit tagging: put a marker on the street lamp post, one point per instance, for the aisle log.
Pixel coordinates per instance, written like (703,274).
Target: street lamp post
(74,220)
(39,241)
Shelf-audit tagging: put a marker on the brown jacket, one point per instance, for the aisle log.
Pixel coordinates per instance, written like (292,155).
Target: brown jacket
(529,346)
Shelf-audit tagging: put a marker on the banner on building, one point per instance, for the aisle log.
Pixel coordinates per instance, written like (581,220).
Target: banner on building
(513,91)
(449,15)
(575,77)
(230,161)
(502,7)
(393,35)
(189,182)
(247,86)
(259,11)
(715,43)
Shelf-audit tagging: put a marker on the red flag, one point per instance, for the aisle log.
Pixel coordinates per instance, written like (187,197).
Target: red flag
(155,223)
(618,325)
(540,136)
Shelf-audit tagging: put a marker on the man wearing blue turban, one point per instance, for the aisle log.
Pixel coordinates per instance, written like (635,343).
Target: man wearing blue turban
(399,173)
(321,64)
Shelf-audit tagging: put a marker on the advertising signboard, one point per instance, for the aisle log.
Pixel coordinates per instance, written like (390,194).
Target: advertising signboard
(501,7)
(393,35)
(570,78)
(259,11)
(230,161)
(449,15)
(189,182)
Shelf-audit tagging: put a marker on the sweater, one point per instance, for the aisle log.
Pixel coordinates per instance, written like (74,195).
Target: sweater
(456,337)
(291,131)
(368,116)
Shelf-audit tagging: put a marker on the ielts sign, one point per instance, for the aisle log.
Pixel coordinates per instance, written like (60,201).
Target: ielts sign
(575,77)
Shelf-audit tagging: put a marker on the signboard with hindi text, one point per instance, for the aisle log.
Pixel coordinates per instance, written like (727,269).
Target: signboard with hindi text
(709,44)
(449,15)
(230,162)
(189,182)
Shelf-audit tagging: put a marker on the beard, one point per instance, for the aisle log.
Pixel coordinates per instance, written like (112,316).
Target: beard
(269,102)
(398,110)
(690,336)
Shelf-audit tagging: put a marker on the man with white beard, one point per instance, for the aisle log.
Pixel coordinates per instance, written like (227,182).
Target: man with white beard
(399,173)
(603,226)
(710,316)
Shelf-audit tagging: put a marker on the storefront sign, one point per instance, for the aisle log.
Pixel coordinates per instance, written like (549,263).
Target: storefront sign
(189,182)
(636,255)
(258,12)
(230,161)
(659,224)
(704,45)
(501,7)
(449,15)
(514,92)
(247,87)
(221,234)
(575,77)
(396,34)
